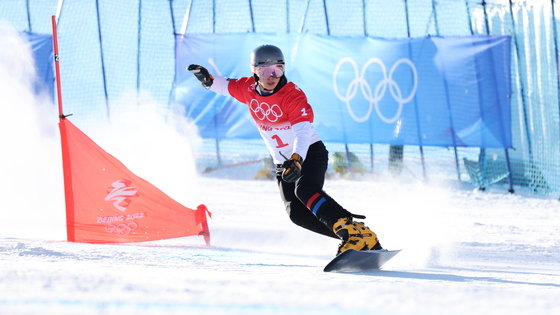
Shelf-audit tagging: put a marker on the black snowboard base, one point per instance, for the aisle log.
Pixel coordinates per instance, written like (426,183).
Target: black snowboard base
(360,261)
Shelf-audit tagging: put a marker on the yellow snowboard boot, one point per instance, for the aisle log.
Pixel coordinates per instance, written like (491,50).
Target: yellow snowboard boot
(355,235)
(369,236)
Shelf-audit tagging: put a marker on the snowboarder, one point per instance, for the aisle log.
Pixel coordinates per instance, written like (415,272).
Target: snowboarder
(284,119)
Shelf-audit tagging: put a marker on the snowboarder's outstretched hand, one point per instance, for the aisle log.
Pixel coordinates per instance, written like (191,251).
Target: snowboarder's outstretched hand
(202,75)
(292,168)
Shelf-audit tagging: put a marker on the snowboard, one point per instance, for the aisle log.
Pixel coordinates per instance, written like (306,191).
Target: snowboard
(360,261)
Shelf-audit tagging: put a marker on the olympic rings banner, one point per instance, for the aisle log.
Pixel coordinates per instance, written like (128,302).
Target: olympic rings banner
(433,91)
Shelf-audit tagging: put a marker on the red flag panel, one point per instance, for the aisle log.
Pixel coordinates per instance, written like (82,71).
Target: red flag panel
(107,203)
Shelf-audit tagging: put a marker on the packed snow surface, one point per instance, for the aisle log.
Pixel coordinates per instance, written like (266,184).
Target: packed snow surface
(464,252)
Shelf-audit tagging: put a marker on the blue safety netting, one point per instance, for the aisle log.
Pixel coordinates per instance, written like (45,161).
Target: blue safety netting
(113,47)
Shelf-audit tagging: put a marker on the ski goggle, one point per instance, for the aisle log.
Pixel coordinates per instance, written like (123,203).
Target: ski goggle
(264,72)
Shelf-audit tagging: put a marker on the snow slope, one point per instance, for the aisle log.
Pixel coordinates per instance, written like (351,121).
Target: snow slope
(465,253)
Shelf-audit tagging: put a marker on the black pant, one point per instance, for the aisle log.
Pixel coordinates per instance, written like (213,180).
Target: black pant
(306,203)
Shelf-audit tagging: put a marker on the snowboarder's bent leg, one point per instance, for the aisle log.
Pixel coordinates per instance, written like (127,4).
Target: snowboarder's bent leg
(298,213)
(309,206)
(309,190)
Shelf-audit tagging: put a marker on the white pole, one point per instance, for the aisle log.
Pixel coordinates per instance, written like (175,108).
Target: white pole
(58,9)
(304,17)
(186,19)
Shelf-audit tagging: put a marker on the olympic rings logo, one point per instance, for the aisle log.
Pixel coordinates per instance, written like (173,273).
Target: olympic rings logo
(374,97)
(264,111)
(122,228)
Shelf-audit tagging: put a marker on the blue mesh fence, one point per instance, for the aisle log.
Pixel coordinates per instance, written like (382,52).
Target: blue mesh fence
(109,48)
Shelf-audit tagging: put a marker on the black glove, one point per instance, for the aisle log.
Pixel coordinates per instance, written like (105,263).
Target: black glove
(201,74)
(292,168)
